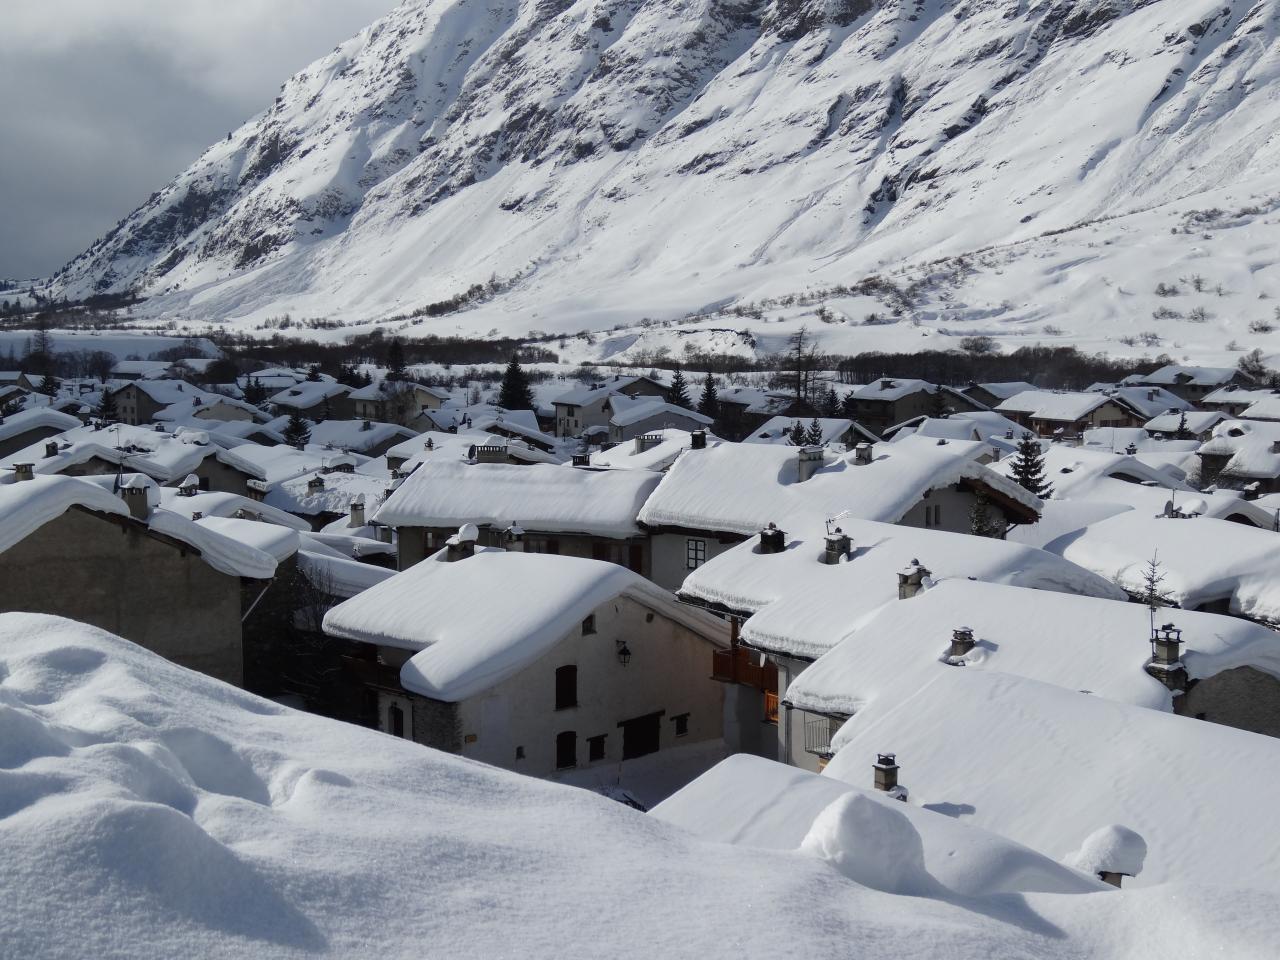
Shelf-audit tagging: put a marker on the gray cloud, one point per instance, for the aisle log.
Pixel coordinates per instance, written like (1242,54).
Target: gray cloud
(102,103)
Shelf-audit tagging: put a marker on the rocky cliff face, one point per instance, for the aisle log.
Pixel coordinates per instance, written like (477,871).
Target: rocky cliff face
(631,157)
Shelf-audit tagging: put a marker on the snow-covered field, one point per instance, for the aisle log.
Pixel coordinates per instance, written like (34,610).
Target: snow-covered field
(146,811)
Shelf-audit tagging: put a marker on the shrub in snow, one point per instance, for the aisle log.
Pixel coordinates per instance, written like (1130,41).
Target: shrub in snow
(872,844)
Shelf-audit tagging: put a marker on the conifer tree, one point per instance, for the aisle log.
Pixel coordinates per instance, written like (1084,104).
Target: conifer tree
(108,409)
(396,369)
(678,392)
(830,403)
(709,402)
(515,392)
(1183,433)
(814,437)
(1028,467)
(313,375)
(48,386)
(297,432)
(849,406)
(799,436)
(982,523)
(254,392)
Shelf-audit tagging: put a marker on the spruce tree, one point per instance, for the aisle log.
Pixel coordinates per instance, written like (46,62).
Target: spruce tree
(1028,467)
(678,392)
(982,523)
(709,402)
(108,409)
(313,375)
(254,392)
(1183,433)
(297,432)
(396,369)
(48,386)
(799,436)
(830,403)
(515,392)
(849,406)
(814,437)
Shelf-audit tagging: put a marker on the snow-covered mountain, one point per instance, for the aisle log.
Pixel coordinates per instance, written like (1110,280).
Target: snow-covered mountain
(598,161)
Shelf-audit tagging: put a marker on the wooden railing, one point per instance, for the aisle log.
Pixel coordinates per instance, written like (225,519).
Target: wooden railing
(737,665)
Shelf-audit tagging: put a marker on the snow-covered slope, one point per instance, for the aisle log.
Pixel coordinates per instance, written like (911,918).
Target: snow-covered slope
(147,811)
(606,160)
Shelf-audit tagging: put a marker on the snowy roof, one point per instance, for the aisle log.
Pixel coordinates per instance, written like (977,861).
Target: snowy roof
(1006,389)
(308,393)
(216,503)
(1196,421)
(156,453)
(358,435)
(340,576)
(1267,408)
(208,406)
(482,619)
(1147,401)
(230,555)
(27,506)
(646,408)
(276,541)
(657,457)
(35,418)
(1053,405)
(753,802)
(892,388)
(802,607)
(777,430)
(135,368)
(738,488)
(1233,395)
(541,497)
(590,392)
(1203,560)
(1176,374)
(1049,767)
(379,389)
(962,425)
(296,495)
(1074,642)
(1251,446)
(190,818)
(282,462)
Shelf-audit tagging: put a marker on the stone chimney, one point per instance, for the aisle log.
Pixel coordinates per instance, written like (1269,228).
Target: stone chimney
(462,544)
(772,540)
(24,471)
(1166,658)
(911,580)
(961,642)
(862,454)
(886,773)
(698,440)
(355,511)
(315,484)
(134,493)
(809,463)
(837,547)
(582,459)
(513,538)
(190,486)
(1131,449)
(489,453)
(51,449)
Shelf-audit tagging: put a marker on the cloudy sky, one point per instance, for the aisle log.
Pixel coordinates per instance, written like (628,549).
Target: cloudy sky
(103,101)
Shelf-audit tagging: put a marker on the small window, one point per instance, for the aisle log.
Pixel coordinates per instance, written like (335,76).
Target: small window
(566,687)
(566,750)
(595,748)
(395,720)
(519,753)
(937,515)
(681,720)
(589,625)
(695,553)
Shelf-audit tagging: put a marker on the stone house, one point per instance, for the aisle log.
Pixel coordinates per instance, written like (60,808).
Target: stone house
(537,664)
(1047,412)
(888,401)
(396,401)
(630,418)
(314,399)
(72,548)
(556,509)
(586,407)
(1192,384)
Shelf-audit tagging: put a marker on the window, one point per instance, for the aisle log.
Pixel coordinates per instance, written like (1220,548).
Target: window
(589,625)
(595,748)
(395,720)
(566,687)
(937,514)
(519,753)
(695,553)
(681,720)
(566,750)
